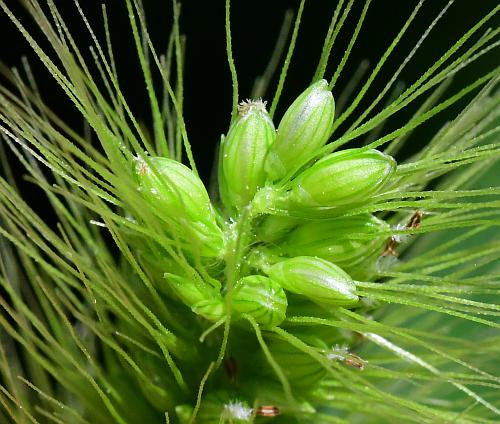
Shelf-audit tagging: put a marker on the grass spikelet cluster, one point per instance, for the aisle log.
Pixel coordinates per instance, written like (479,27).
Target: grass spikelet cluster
(333,271)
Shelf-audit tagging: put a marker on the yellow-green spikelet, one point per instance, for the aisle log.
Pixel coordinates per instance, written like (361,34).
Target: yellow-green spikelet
(304,128)
(243,151)
(262,298)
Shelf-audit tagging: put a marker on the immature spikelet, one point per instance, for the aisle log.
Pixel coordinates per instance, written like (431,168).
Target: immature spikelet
(262,298)
(172,190)
(315,278)
(303,129)
(192,291)
(347,177)
(212,309)
(173,187)
(243,152)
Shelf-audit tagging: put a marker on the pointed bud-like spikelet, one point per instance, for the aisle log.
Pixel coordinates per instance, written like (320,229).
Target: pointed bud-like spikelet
(172,190)
(343,178)
(202,298)
(302,131)
(189,290)
(212,309)
(262,298)
(345,241)
(243,152)
(209,238)
(317,279)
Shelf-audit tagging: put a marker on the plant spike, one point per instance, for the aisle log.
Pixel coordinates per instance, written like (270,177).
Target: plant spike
(318,282)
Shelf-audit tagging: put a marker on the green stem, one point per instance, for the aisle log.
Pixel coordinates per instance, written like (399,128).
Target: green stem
(240,231)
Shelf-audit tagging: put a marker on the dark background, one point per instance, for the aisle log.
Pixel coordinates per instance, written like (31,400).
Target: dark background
(255,26)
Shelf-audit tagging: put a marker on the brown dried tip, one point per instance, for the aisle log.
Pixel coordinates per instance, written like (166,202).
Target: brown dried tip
(231,367)
(414,222)
(355,361)
(389,248)
(267,411)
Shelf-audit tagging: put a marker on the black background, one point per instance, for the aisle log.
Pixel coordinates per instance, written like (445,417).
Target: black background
(255,26)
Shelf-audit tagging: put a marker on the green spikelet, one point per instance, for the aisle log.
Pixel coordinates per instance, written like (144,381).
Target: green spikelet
(315,278)
(347,177)
(243,152)
(171,189)
(303,129)
(262,298)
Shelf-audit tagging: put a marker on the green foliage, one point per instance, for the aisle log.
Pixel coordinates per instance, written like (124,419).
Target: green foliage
(149,301)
